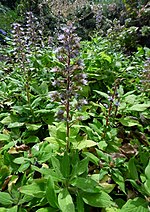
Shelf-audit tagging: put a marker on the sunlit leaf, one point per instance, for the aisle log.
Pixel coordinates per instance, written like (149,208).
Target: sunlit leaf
(5,199)
(85,144)
(101,200)
(65,201)
(135,205)
(50,193)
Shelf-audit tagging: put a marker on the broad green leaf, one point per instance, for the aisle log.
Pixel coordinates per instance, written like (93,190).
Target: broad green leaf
(129,122)
(139,107)
(102,155)
(4,137)
(19,160)
(130,99)
(32,139)
(82,166)
(116,176)
(56,167)
(15,124)
(13,209)
(87,184)
(49,209)
(24,167)
(3,209)
(135,205)
(128,93)
(107,187)
(101,200)
(147,170)
(102,94)
(50,193)
(91,157)
(8,146)
(36,189)
(147,186)
(65,165)
(5,199)
(80,203)
(43,88)
(65,201)
(132,169)
(7,120)
(85,144)
(33,127)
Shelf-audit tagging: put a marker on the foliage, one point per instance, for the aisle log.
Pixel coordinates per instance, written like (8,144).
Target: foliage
(74,123)
(7,17)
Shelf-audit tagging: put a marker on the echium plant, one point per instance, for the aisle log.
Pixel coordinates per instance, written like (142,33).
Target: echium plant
(69,78)
(26,42)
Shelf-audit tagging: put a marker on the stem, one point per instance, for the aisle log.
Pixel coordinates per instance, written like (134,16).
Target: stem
(68,104)
(28,94)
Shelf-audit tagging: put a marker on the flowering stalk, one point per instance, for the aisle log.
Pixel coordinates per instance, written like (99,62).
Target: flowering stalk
(26,41)
(114,101)
(69,79)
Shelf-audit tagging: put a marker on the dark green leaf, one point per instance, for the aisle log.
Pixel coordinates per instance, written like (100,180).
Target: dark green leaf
(65,165)
(50,193)
(80,203)
(132,169)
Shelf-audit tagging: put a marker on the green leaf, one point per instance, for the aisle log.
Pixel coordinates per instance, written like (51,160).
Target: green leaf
(24,167)
(82,166)
(65,165)
(101,200)
(3,209)
(85,144)
(135,205)
(7,120)
(51,194)
(147,186)
(91,157)
(15,124)
(49,209)
(33,127)
(5,199)
(56,166)
(43,88)
(4,137)
(105,56)
(147,182)
(87,184)
(102,155)
(129,122)
(13,209)
(80,203)
(132,169)
(65,201)
(19,160)
(116,176)
(36,189)
(32,139)
(147,170)
(139,107)
(130,99)
(105,95)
